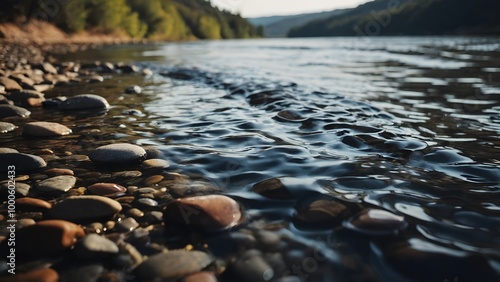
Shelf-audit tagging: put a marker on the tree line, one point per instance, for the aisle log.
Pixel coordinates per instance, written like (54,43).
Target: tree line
(151,19)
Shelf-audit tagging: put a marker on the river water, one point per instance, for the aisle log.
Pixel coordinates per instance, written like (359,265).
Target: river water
(407,125)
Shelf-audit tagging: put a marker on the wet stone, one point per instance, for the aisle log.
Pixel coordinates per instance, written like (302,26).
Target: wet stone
(135,213)
(22,97)
(118,153)
(146,202)
(84,102)
(13,111)
(57,185)
(376,222)
(321,213)
(207,213)
(272,188)
(48,68)
(85,208)
(47,238)
(106,189)
(95,79)
(134,89)
(24,222)
(153,180)
(9,84)
(82,273)
(128,174)
(95,246)
(6,127)
(37,275)
(22,162)
(32,204)
(21,188)
(251,266)
(155,163)
(289,115)
(59,171)
(45,129)
(7,150)
(126,225)
(203,276)
(180,264)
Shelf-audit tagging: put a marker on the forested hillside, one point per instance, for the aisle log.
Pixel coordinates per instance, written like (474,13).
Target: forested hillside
(151,19)
(411,17)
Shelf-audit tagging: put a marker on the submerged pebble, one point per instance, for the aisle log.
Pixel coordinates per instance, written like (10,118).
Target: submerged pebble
(208,213)
(134,89)
(376,222)
(321,213)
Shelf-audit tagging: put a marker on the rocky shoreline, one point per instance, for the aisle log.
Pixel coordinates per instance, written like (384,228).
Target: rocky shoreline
(95,209)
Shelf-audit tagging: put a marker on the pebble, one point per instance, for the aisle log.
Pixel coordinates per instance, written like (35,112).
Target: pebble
(272,188)
(203,276)
(321,213)
(22,162)
(376,222)
(154,179)
(9,84)
(82,272)
(126,225)
(21,188)
(12,111)
(134,89)
(289,115)
(180,264)
(106,189)
(146,202)
(128,174)
(59,171)
(45,129)
(155,163)
(48,68)
(32,204)
(37,275)
(252,267)
(57,185)
(118,153)
(83,102)
(22,97)
(135,213)
(47,238)
(95,246)
(6,127)
(24,222)
(7,150)
(95,79)
(208,213)
(85,208)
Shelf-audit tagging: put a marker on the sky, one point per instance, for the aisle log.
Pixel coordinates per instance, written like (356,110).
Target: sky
(259,8)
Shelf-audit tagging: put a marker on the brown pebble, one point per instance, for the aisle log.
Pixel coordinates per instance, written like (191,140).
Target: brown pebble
(204,276)
(32,204)
(106,189)
(47,238)
(37,275)
(59,171)
(209,213)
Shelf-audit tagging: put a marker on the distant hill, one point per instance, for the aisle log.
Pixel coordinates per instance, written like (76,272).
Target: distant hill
(279,26)
(412,17)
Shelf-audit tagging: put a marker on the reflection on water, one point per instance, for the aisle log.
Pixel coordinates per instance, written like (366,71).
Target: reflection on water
(409,125)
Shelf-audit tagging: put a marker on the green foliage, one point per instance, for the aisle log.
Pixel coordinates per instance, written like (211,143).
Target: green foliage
(153,19)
